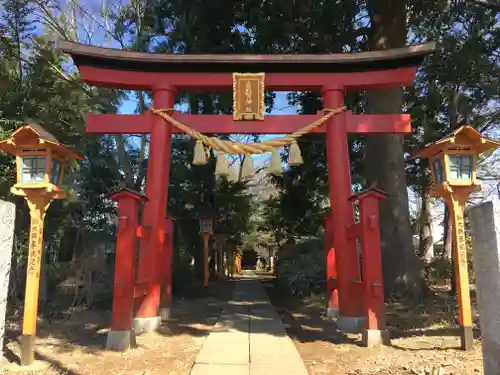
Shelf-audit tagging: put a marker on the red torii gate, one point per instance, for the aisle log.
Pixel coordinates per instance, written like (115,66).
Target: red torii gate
(166,74)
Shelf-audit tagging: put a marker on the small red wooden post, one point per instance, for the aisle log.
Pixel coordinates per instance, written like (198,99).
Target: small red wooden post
(375,332)
(331,271)
(121,336)
(168,258)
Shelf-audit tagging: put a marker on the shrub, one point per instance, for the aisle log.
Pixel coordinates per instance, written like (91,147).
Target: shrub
(302,270)
(437,272)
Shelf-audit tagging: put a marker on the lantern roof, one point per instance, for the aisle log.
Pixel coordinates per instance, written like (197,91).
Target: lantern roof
(205,212)
(465,136)
(31,135)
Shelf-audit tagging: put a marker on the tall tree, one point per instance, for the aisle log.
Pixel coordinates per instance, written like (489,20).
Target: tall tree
(384,162)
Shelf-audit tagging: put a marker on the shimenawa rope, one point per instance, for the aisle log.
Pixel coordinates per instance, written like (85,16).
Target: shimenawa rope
(233,148)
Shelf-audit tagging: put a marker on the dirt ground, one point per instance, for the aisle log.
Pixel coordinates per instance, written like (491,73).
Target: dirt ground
(77,346)
(424,340)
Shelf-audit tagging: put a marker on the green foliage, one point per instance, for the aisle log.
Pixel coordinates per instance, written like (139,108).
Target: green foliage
(35,86)
(302,269)
(459,83)
(438,272)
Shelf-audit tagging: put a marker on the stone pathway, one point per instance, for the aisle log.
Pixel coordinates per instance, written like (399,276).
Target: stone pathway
(249,338)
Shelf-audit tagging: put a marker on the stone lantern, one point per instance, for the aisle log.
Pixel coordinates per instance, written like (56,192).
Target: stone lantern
(41,161)
(453,162)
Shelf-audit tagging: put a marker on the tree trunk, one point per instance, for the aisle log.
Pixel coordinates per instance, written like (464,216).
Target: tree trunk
(426,245)
(384,161)
(455,119)
(124,160)
(198,265)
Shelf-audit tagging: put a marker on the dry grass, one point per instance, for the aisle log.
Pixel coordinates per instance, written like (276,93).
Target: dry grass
(77,346)
(424,340)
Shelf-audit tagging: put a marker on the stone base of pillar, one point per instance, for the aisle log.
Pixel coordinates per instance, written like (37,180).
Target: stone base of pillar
(120,340)
(466,338)
(144,325)
(164,313)
(351,324)
(375,337)
(332,312)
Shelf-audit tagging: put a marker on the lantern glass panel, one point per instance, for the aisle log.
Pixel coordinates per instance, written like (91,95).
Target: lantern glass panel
(437,166)
(33,168)
(460,167)
(205,225)
(55,174)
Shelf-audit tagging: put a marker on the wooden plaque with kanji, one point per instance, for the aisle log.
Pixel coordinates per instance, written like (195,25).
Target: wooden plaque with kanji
(248,96)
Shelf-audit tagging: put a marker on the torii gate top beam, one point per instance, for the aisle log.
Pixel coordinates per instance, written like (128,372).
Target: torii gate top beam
(115,68)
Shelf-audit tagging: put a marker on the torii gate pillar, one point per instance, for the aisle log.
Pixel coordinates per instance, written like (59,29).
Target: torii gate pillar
(339,179)
(152,248)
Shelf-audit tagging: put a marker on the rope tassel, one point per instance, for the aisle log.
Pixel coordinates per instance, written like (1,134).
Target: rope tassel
(294,155)
(234,175)
(222,166)
(200,156)
(275,168)
(247,169)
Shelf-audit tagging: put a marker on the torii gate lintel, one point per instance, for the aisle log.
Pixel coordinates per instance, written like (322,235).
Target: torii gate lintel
(225,124)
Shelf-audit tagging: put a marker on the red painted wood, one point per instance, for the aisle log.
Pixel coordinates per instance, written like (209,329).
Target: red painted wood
(140,289)
(143,232)
(167,261)
(134,80)
(339,178)
(331,267)
(357,288)
(383,124)
(224,124)
(372,260)
(354,231)
(123,292)
(150,259)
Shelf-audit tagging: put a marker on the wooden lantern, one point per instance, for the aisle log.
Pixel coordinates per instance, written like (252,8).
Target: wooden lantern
(206,224)
(41,161)
(453,161)
(206,230)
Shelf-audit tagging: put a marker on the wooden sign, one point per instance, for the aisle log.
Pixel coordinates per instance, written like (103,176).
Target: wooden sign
(38,205)
(461,246)
(248,96)
(456,205)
